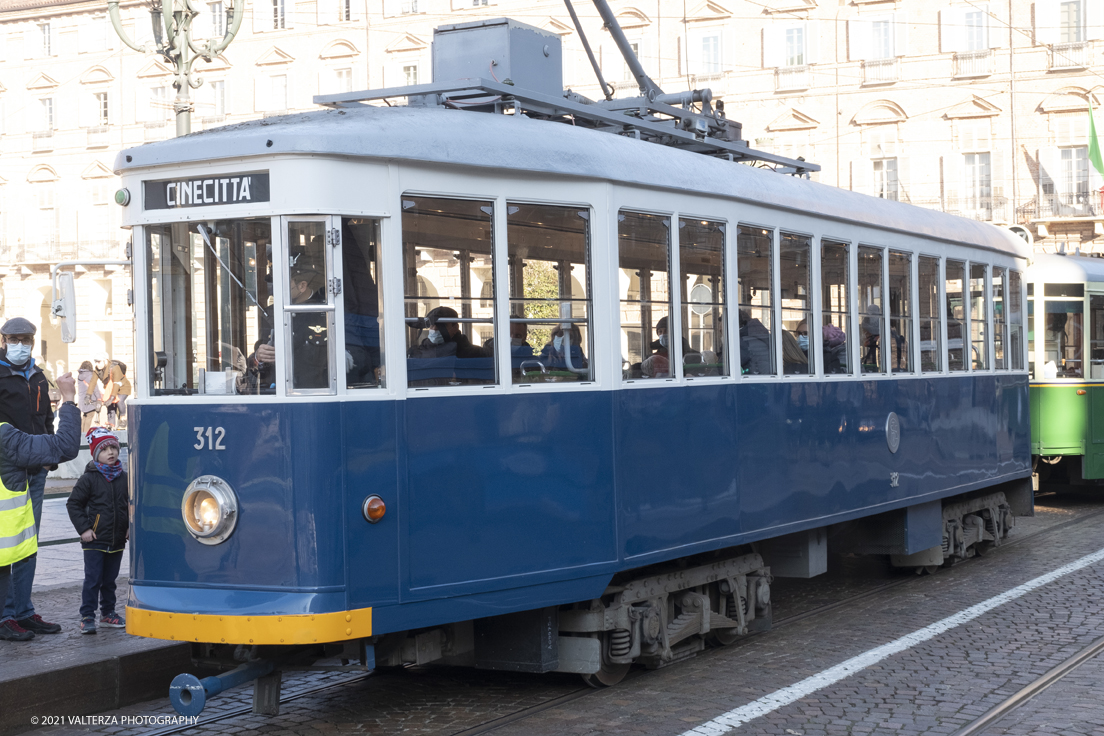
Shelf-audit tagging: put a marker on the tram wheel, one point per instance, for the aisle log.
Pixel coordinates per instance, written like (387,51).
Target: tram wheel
(927,569)
(722,637)
(608,676)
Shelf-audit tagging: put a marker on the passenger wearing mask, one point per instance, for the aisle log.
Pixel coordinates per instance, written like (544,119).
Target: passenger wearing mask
(555,354)
(660,345)
(444,338)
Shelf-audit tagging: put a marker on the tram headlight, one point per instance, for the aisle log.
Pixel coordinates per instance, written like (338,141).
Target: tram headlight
(210,509)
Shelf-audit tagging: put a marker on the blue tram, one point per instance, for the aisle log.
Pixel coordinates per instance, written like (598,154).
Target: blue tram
(428,383)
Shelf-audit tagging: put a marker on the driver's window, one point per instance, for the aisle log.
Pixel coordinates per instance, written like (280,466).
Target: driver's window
(308,312)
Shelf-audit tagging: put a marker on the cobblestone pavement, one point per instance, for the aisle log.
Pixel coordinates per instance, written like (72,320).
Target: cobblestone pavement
(934,687)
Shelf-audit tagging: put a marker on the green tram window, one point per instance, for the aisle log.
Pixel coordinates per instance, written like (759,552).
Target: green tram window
(1074,290)
(1096,336)
(1063,335)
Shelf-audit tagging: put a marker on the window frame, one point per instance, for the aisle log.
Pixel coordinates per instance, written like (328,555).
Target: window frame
(674,321)
(330,307)
(850,317)
(941,317)
(734,284)
(728,259)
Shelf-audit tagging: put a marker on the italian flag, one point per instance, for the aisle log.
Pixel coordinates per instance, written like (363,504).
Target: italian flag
(1096,161)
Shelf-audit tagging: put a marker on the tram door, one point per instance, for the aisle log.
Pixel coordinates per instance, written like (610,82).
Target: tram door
(312,248)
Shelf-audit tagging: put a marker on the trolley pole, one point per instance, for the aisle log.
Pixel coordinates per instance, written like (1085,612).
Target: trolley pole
(172,40)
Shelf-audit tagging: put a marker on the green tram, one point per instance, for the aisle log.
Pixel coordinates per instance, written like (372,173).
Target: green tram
(1066,363)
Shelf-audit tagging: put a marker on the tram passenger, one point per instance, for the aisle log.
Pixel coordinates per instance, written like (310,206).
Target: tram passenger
(755,347)
(835,349)
(871,337)
(656,366)
(660,344)
(444,339)
(554,355)
(794,360)
(520,349)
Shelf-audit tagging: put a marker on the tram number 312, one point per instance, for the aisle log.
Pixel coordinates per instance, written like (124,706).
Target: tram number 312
(209,438)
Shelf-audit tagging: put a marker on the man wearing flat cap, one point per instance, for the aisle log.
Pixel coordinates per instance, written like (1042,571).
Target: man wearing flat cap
(24,404)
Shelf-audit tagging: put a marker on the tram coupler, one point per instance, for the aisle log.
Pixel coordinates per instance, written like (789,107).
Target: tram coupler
(189,694)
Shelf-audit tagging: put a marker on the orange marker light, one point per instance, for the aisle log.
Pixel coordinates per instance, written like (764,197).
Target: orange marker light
(1081,392)
(373,509)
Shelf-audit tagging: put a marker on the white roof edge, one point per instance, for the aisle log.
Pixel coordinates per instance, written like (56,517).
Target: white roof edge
(1055,268)
(461,138)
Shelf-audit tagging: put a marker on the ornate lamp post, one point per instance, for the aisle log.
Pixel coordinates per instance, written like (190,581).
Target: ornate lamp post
(172,39)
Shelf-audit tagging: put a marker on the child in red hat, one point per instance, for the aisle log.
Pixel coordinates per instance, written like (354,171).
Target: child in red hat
(99,510)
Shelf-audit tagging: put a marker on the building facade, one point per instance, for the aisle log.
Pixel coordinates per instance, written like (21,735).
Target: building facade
(979,109)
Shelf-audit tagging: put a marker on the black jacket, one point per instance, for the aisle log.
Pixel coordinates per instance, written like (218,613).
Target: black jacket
(24,403)
(100,506)
(20,451)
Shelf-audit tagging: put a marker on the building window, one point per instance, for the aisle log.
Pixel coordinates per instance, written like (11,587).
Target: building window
(975,30)
(477,3)
(218,97)
(343,80)
(1069,22)
(46,114)
(278,92)
(710,54)
(279,20)
(160,104)
(1075,175)
(46,34)
(978,184)
(409,7)
(103,114)
(885,178)
(46,204)
(881,39)
(218,20)
(795,46)
(410,74)
(347,9)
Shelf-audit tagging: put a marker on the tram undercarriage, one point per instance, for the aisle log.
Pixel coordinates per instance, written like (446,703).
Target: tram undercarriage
(652,616)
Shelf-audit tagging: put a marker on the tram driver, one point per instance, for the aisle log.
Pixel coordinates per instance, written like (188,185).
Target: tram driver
(309,349)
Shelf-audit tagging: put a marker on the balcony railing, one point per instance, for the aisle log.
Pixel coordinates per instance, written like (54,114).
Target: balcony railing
(98,136)
(52,252)
(973,64)
(791,77)
(157,130)
(986,209)
(881,71)
(1080,204)
(1070,55)
(42,141)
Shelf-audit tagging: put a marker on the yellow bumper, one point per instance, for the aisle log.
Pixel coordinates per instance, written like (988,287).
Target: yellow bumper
(314,628)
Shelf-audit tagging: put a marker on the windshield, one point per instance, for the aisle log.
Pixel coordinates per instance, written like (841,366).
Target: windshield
(210,306)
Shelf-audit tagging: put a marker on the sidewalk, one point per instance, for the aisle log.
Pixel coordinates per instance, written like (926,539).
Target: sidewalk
(70,673)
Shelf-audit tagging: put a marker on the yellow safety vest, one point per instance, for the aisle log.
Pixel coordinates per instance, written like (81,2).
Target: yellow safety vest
(18,536)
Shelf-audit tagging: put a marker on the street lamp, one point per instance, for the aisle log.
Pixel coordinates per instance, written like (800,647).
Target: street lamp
(172,39)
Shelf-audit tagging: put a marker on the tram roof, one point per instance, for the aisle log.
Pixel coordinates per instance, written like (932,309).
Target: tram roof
(1063,269)
(484,140)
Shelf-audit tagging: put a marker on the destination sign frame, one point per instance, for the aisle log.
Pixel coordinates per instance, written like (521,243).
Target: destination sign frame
(248,187)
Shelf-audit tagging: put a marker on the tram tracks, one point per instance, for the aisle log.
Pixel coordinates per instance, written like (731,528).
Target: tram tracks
(524,713)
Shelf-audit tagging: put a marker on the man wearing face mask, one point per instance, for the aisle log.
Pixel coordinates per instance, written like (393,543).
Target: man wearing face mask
(660,346)
(24,404)
(520,349)
(555,353)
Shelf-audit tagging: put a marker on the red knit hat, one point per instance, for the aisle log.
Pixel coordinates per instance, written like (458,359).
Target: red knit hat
(98,438)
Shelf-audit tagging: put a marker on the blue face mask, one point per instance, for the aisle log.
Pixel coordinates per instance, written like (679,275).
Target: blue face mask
(663,340)
(18,353)
(803,342)
(436,337)
(557,343)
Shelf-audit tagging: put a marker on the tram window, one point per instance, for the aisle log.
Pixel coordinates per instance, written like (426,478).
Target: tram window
(1096,336)
(211,306)
(644,287)
(360,261)
(1074,290)
(835,328)
(754,247)
(701,260)
(979,346)
(1015,321)
(956,315)
(1062,340)
(310,311)
(900,311)
(549,294)
(999,319)
(872,350)
(793,269)
(928,293)
(448,262)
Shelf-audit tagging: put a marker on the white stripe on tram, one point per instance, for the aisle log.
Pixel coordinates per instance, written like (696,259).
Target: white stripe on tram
(772,702)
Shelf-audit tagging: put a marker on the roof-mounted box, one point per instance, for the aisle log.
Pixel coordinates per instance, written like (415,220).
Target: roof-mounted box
(502,49)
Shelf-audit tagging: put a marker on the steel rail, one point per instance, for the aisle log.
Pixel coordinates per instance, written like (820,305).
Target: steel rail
(1026,694)
(496,723)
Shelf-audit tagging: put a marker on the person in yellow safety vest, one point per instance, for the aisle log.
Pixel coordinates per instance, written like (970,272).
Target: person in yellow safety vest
(19,451)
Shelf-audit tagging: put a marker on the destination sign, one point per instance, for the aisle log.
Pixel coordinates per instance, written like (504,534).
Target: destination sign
(245,188)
